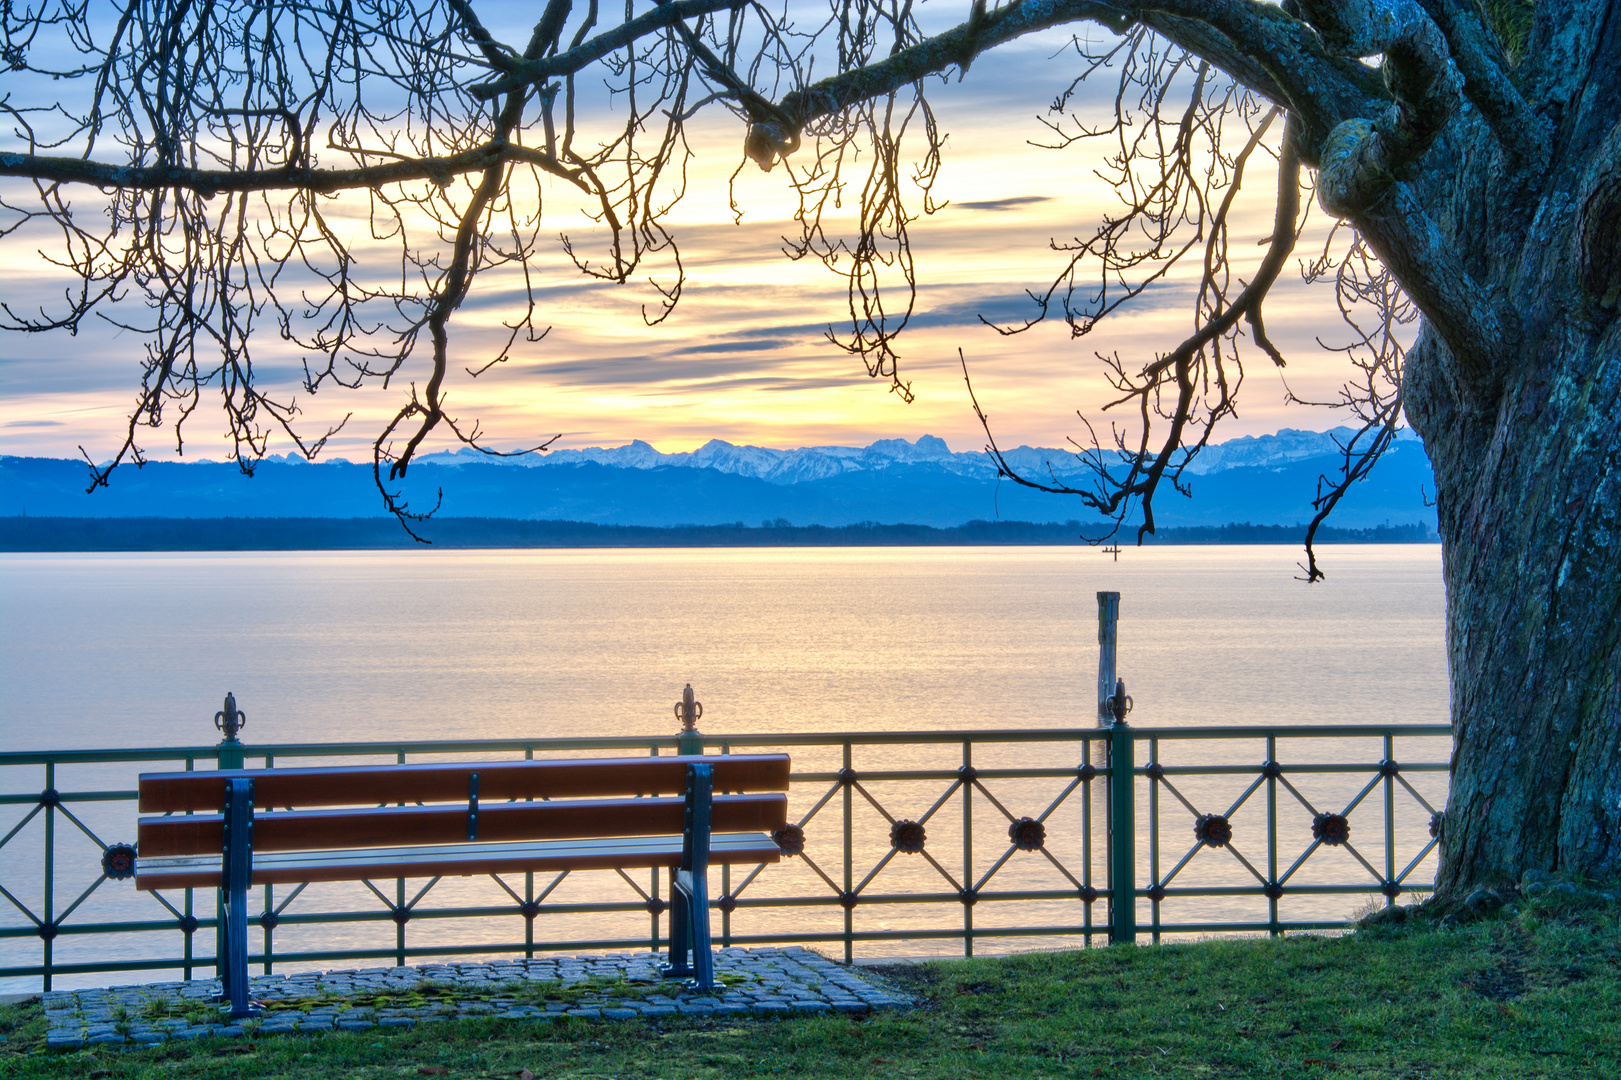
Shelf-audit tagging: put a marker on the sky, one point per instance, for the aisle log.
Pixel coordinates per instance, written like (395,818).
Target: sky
(744,357)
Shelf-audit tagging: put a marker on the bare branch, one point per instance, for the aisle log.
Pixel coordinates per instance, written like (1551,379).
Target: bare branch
(1472,332)
(1377,351)
(954,48)
(219,154)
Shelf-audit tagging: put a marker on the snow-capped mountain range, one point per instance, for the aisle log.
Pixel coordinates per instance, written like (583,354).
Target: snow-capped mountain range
(1265,480)
(820,462)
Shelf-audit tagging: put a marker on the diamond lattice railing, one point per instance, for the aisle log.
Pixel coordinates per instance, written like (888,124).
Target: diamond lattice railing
(898,837)
(1292,834)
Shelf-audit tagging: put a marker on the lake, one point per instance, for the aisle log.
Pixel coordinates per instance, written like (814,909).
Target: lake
(101,651)
(104,650)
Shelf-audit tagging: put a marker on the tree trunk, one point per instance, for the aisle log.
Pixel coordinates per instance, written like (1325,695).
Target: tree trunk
(1529,499)
(1531,527)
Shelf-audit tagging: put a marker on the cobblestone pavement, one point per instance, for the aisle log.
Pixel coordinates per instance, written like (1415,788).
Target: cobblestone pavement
(619,986)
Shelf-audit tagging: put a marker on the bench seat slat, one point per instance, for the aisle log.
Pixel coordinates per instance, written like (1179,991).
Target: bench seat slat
(310,830)
(465,859)
(369,785)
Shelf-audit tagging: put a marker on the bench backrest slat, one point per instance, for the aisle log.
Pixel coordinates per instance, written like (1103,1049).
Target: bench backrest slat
(314,830)
(448,782)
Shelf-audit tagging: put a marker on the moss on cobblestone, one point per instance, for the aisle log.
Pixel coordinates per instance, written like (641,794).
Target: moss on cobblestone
(196,1012)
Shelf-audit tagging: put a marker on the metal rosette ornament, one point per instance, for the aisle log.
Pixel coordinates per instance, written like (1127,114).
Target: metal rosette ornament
(118,862)
(1027,834)
(907,837)
(1331,829)
(1213,830)
(791,839)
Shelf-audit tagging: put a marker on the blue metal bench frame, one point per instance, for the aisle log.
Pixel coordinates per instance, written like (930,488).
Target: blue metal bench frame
(236,872)
(691,944)
(689,887)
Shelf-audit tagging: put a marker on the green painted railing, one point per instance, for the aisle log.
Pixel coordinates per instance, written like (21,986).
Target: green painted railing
(1280,800)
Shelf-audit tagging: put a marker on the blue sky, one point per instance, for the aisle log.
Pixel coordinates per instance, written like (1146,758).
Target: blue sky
(744,358)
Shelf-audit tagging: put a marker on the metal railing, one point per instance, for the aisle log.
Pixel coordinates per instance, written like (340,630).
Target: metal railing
(898,837)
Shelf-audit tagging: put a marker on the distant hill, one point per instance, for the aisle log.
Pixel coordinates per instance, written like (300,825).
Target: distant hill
(1265,481)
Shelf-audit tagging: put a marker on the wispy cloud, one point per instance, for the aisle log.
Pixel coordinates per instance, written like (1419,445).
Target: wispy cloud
(761,345)
(744,357)
(1010,203)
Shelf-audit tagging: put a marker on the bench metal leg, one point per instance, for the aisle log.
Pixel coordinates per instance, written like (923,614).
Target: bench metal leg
(236,871)
(689,888)
(702,969)
(680,931)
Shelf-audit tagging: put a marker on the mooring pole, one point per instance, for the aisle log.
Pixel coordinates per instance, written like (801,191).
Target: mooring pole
(1113,705)
(1108,624)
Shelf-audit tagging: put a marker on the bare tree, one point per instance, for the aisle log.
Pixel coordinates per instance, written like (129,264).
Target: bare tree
(1471,158)
(237,143)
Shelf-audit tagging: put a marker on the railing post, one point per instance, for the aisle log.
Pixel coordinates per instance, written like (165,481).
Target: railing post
(1113,704)
(1270,771)
(48,931)
(228,721)
(847,898)
(689,712)
(1122,836)
(968,850)
(1387,768)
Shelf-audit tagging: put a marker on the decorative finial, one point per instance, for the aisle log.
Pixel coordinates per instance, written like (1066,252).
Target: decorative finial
(688,711)
(230,719)
(689,742)
(1119,704)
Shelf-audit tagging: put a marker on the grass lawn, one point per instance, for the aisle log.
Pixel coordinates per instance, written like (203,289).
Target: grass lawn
(1533,991)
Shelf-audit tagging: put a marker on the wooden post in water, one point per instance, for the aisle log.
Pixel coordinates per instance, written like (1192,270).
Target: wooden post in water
(1108,620)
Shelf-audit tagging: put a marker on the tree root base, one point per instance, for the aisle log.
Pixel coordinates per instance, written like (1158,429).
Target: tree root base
(1539,892)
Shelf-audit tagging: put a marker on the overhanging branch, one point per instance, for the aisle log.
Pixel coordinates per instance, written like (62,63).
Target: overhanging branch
(523,73)
(953,48)
(211,182)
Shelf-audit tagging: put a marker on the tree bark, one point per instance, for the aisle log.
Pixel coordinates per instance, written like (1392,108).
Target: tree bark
(1529,492)
(1530,515)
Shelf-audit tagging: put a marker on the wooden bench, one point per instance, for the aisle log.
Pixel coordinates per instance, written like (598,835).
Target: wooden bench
(465,818)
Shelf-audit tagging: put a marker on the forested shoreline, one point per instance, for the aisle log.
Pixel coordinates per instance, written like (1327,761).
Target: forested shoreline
(58,534)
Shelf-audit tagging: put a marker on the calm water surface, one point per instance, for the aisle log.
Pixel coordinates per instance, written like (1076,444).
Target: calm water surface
(137,650)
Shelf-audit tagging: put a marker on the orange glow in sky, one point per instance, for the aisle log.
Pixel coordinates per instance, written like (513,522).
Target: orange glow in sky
(744,357)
